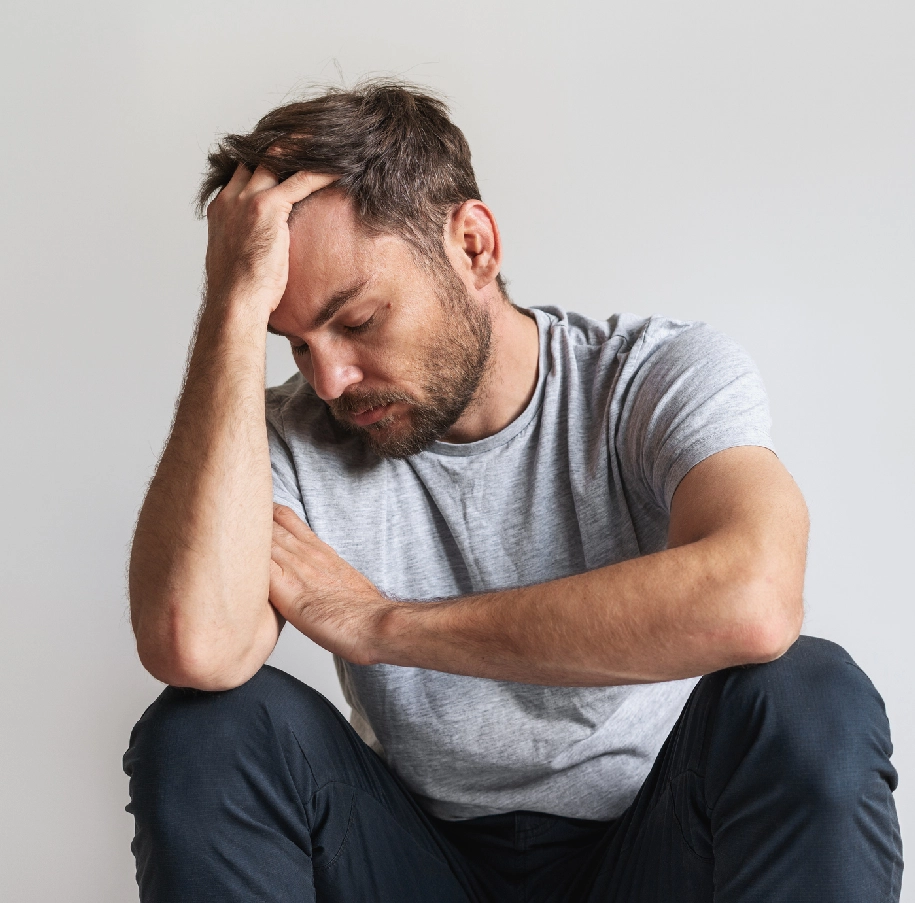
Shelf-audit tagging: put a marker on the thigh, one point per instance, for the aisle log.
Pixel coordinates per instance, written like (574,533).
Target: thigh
(659,850)
(774,784)
(266,792)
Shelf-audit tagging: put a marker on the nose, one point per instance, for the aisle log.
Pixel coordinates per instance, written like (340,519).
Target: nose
(329,374)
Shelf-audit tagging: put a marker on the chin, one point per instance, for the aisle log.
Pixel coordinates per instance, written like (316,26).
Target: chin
(390,439)
(394,437)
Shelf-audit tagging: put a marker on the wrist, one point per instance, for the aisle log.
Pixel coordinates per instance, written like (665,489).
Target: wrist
(233,321)
(239,305)
(394,632)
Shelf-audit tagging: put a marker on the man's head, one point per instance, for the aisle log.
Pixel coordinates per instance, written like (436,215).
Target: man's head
(400,238)
(400,160)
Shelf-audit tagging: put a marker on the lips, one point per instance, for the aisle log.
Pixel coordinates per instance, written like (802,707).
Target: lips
(370,415)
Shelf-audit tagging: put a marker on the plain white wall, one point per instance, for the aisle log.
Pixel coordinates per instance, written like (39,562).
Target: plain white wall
(749,164)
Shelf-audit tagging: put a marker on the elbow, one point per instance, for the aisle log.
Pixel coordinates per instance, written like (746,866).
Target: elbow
(771,637)
(769,621)
(185,658)
(194,670)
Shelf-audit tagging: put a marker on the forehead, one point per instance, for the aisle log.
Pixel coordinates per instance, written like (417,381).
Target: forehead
(326,235)
(325,226)
(329,252)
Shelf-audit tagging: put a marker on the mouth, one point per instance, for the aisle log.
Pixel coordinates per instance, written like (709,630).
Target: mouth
(369,415)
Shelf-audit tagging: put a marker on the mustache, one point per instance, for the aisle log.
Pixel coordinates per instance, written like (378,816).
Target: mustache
(355,402)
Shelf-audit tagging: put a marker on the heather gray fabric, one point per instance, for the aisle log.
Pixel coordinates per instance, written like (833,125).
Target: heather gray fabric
(582,478)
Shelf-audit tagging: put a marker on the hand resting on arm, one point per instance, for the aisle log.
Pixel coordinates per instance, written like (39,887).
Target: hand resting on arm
(727,591)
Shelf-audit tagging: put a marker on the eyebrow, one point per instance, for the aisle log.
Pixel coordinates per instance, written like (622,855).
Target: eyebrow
(333,306)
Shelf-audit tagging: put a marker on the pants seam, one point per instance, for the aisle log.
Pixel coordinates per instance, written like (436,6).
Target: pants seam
(676,816)
(292,781)
(349,825)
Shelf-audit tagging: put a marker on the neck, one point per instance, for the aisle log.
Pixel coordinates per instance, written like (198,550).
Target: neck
(511,374)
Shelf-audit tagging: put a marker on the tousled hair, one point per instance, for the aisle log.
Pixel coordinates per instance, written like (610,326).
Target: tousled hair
(401,160)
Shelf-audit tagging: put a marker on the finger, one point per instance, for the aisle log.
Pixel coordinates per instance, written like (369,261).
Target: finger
(293,555)
(237,183)
(285,559)
(261,180)
(291,522)
(298,186)
(291,572)
(277,572)
(281,592)
(284,538)
(294,571)
(286,548)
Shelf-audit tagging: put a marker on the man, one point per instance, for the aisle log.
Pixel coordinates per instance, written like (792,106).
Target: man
(524,534)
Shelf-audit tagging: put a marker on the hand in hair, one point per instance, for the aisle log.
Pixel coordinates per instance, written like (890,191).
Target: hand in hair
(199,564)
(247,258)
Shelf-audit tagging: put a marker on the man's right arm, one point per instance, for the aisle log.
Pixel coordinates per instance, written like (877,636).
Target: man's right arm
(200,562)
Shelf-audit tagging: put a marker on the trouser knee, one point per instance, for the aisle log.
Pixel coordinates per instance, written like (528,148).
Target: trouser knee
(818,724)
(192,751)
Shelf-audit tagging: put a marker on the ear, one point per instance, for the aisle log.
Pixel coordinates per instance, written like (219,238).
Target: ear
(473,244)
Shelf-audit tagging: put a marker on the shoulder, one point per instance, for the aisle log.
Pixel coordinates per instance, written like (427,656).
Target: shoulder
(627,347)
(626,332)
(682,364)
(565,327)
(668,347)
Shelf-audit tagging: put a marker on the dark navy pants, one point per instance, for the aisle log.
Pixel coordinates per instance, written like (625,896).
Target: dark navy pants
(775,786)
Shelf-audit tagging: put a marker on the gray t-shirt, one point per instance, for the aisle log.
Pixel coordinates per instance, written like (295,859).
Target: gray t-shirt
(583,478)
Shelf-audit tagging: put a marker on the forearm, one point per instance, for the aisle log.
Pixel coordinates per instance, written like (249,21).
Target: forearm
(678,613)
(199,566)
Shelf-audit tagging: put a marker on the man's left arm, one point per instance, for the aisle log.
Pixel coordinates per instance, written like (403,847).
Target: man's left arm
(727,591)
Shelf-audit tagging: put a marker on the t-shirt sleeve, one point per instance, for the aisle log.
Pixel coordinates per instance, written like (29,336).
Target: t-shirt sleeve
(285,483)
(693,393)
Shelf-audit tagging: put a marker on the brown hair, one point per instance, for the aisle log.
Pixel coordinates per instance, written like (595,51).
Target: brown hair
(401,160)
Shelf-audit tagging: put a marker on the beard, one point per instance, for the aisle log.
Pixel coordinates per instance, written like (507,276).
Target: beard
(451,368)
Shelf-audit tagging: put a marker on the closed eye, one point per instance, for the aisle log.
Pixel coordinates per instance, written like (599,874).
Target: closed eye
(364,326)
(361,327)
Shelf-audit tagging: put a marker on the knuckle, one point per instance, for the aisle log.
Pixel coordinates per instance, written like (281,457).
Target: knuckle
(260,204)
